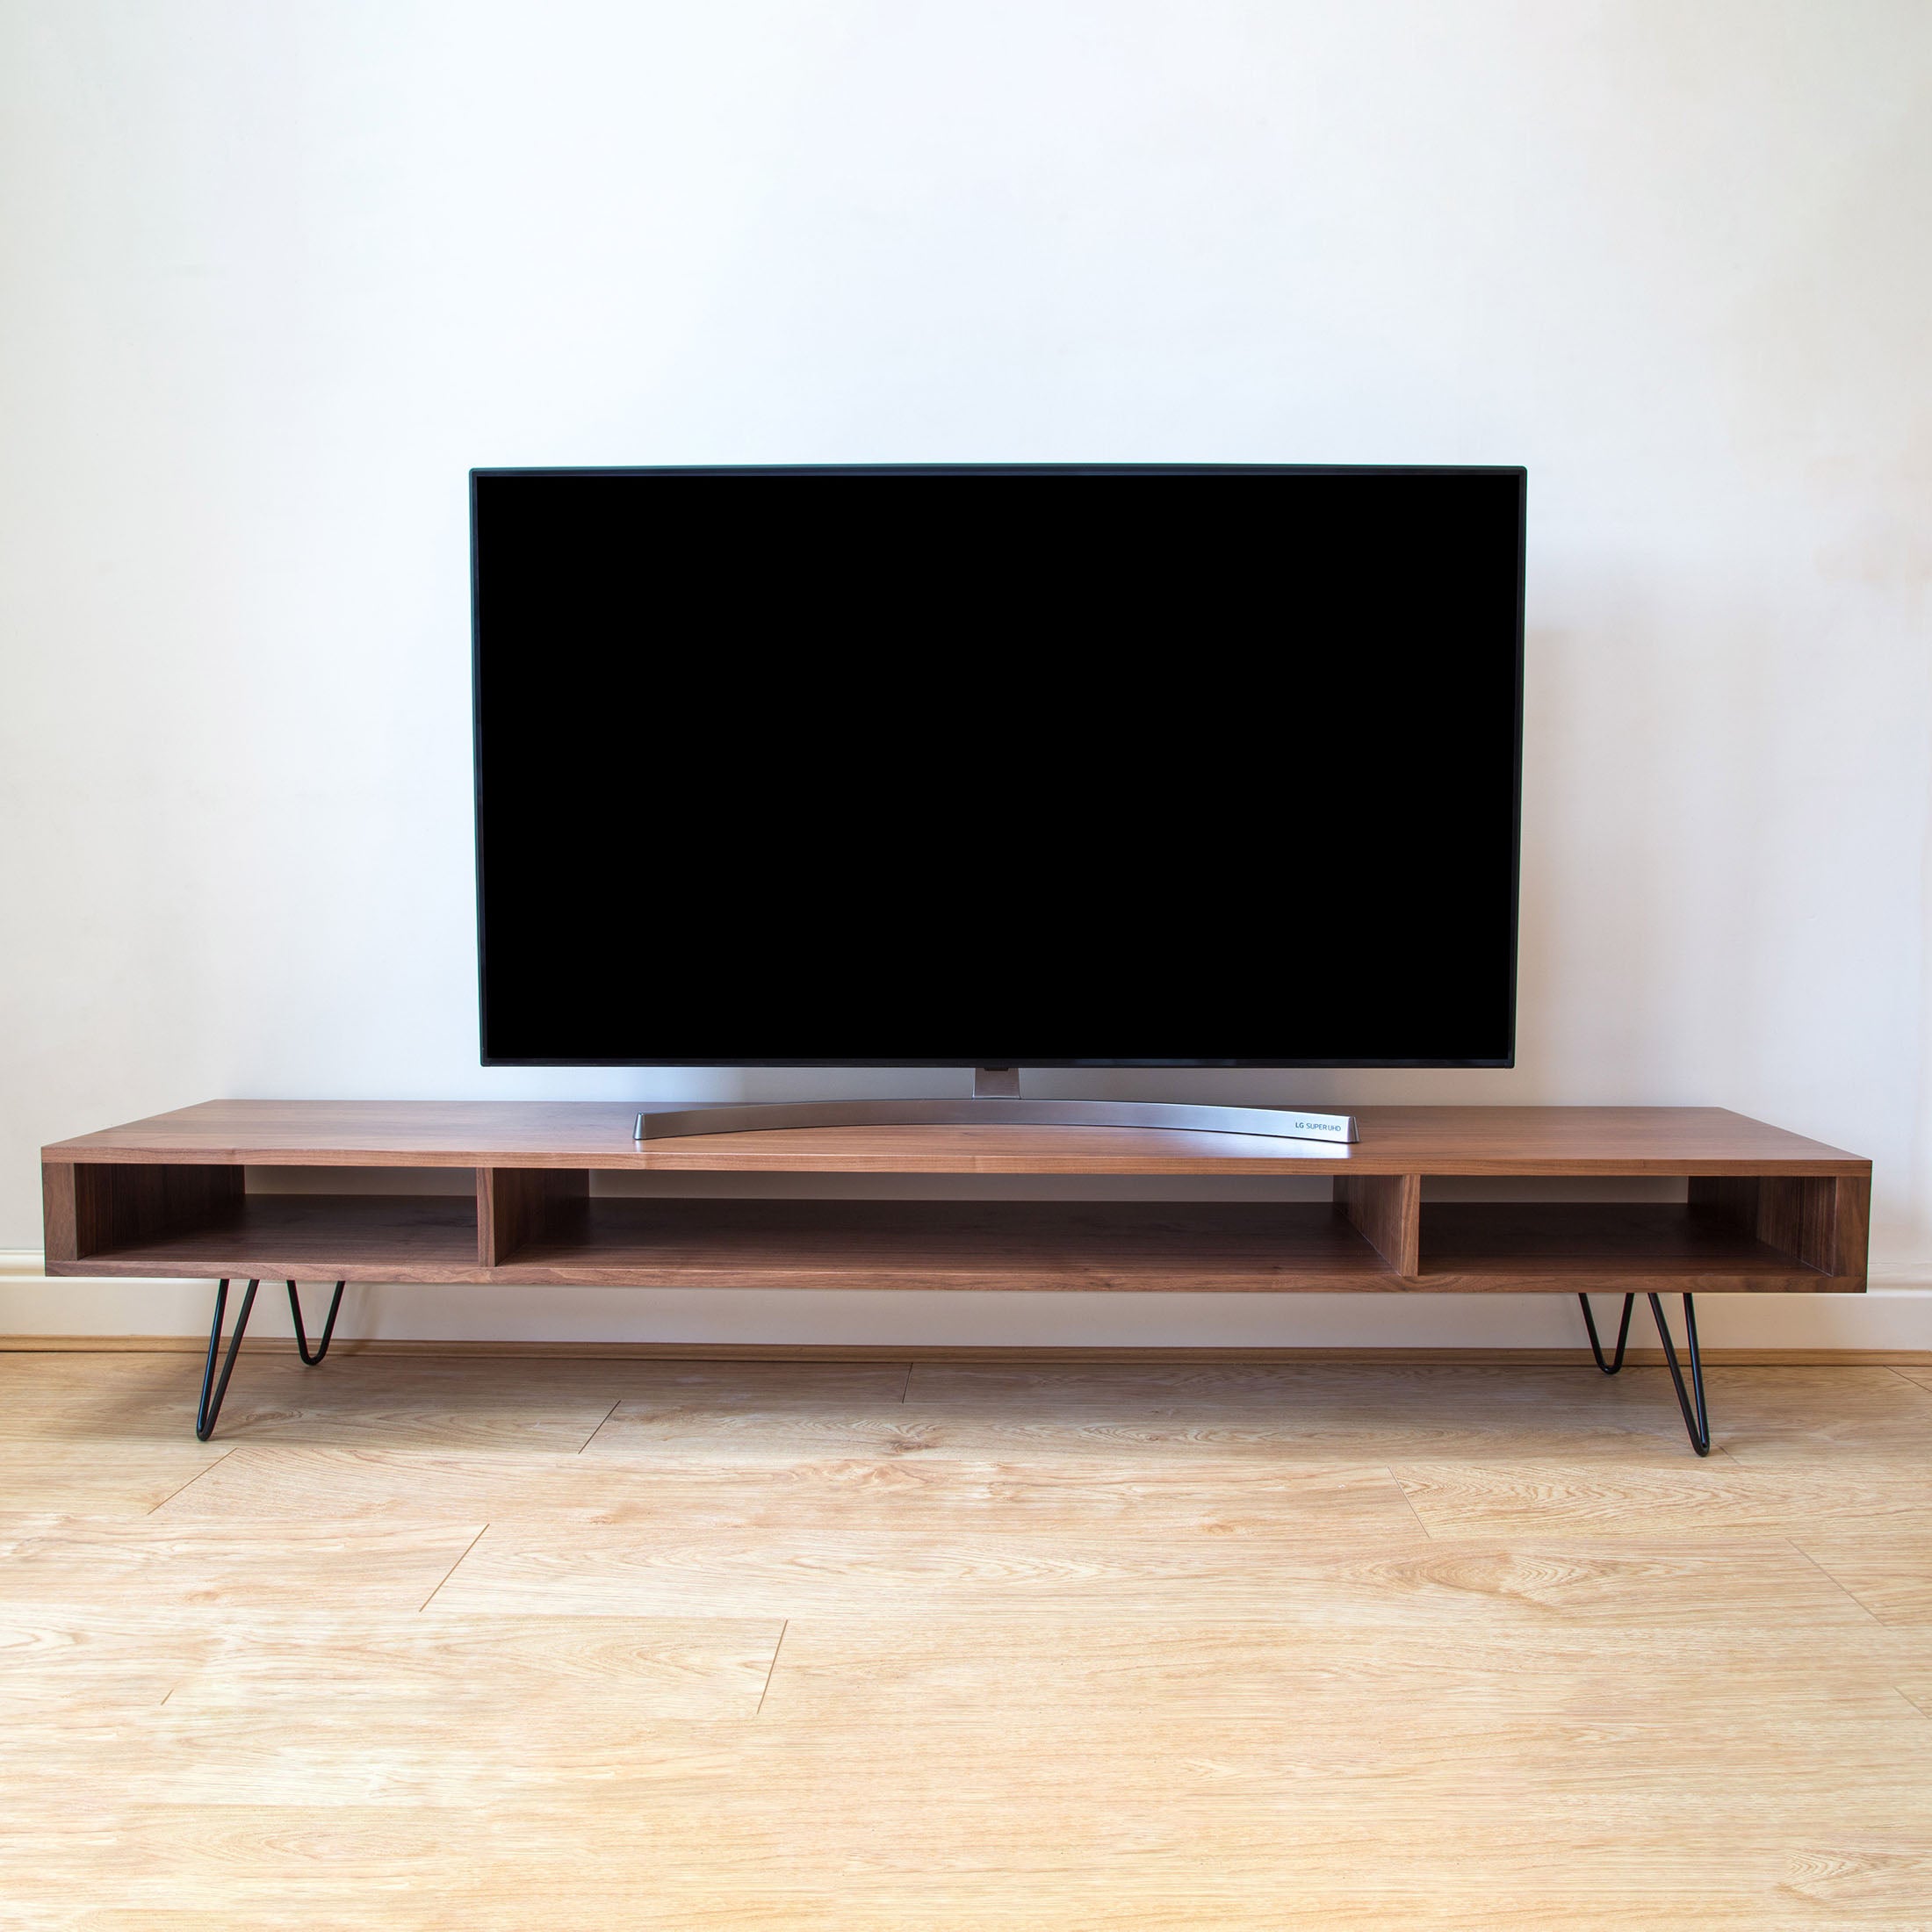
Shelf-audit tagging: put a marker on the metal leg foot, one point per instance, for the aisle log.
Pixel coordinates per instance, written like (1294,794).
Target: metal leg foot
(328,1327)
(1696,1420)
(1623,1335)
(209,1408)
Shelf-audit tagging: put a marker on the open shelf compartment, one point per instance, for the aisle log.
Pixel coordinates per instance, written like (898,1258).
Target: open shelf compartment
(1773,1234)
(115,1218)
(551,1229)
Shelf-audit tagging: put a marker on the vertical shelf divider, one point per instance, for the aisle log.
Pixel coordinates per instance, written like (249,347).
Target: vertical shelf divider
(1386,1211)
(516,1206)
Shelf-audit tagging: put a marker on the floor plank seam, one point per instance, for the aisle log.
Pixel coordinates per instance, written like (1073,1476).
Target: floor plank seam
(1915,1703)
(193,1480)
(771,1668)
(1390,1470)
(453,1568)
(1848,1591)
(598,1431)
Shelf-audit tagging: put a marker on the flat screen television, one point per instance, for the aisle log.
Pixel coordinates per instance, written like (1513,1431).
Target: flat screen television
(998,765)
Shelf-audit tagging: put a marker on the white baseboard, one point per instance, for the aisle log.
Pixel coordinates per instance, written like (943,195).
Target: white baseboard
(1896,1316)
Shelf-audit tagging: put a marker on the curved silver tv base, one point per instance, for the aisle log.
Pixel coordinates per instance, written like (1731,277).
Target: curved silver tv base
(996,1102)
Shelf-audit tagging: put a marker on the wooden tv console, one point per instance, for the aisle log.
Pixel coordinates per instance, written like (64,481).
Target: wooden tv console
(1764,1212)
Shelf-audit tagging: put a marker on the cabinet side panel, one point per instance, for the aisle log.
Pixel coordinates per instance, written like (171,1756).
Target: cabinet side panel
(1385,1210)
(1851,1225)
(1735,1199)
(1797,1217)
(61,1234)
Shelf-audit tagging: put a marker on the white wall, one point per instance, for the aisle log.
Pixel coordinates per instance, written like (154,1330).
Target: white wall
(276,276)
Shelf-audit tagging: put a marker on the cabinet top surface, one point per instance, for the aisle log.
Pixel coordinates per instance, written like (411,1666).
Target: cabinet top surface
(1438,1140)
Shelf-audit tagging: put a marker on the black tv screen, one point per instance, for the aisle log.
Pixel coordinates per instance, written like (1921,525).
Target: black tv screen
(997,765)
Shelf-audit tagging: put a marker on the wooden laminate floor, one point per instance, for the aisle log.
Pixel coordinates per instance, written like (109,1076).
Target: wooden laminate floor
(439,1642)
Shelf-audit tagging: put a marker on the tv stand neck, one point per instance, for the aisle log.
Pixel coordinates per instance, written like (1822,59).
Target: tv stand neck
(995,1102)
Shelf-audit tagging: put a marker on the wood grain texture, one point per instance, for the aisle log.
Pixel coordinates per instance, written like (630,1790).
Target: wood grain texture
(562,1238)
(873,1666)
(1325,1777)
(1779,1416)
(1799,1217)
(303,1237)
(1889,1571)
(60,1223)
(131,1408)
(42,1475)
(1009,1244)
(1459,1499)
(442,1668)
(1040,1902)
(228,1661)
(644,1489)
(1148,1418)
(1606,1247)
(1850,1227)
(1087,1435)
(1820,1221)
(1309,1581)
(1077,1645)
(1396,1140)
(1036,1822)
(53,1559)
(1129,1245)
(120,1206)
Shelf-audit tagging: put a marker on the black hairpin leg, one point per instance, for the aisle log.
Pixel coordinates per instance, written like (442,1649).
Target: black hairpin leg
(1697,1419)
(328,1327)
(1623,1335)
(208,1411)
(211,1390)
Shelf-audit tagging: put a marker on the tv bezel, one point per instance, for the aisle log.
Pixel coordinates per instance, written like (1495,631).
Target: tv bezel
(479,474)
